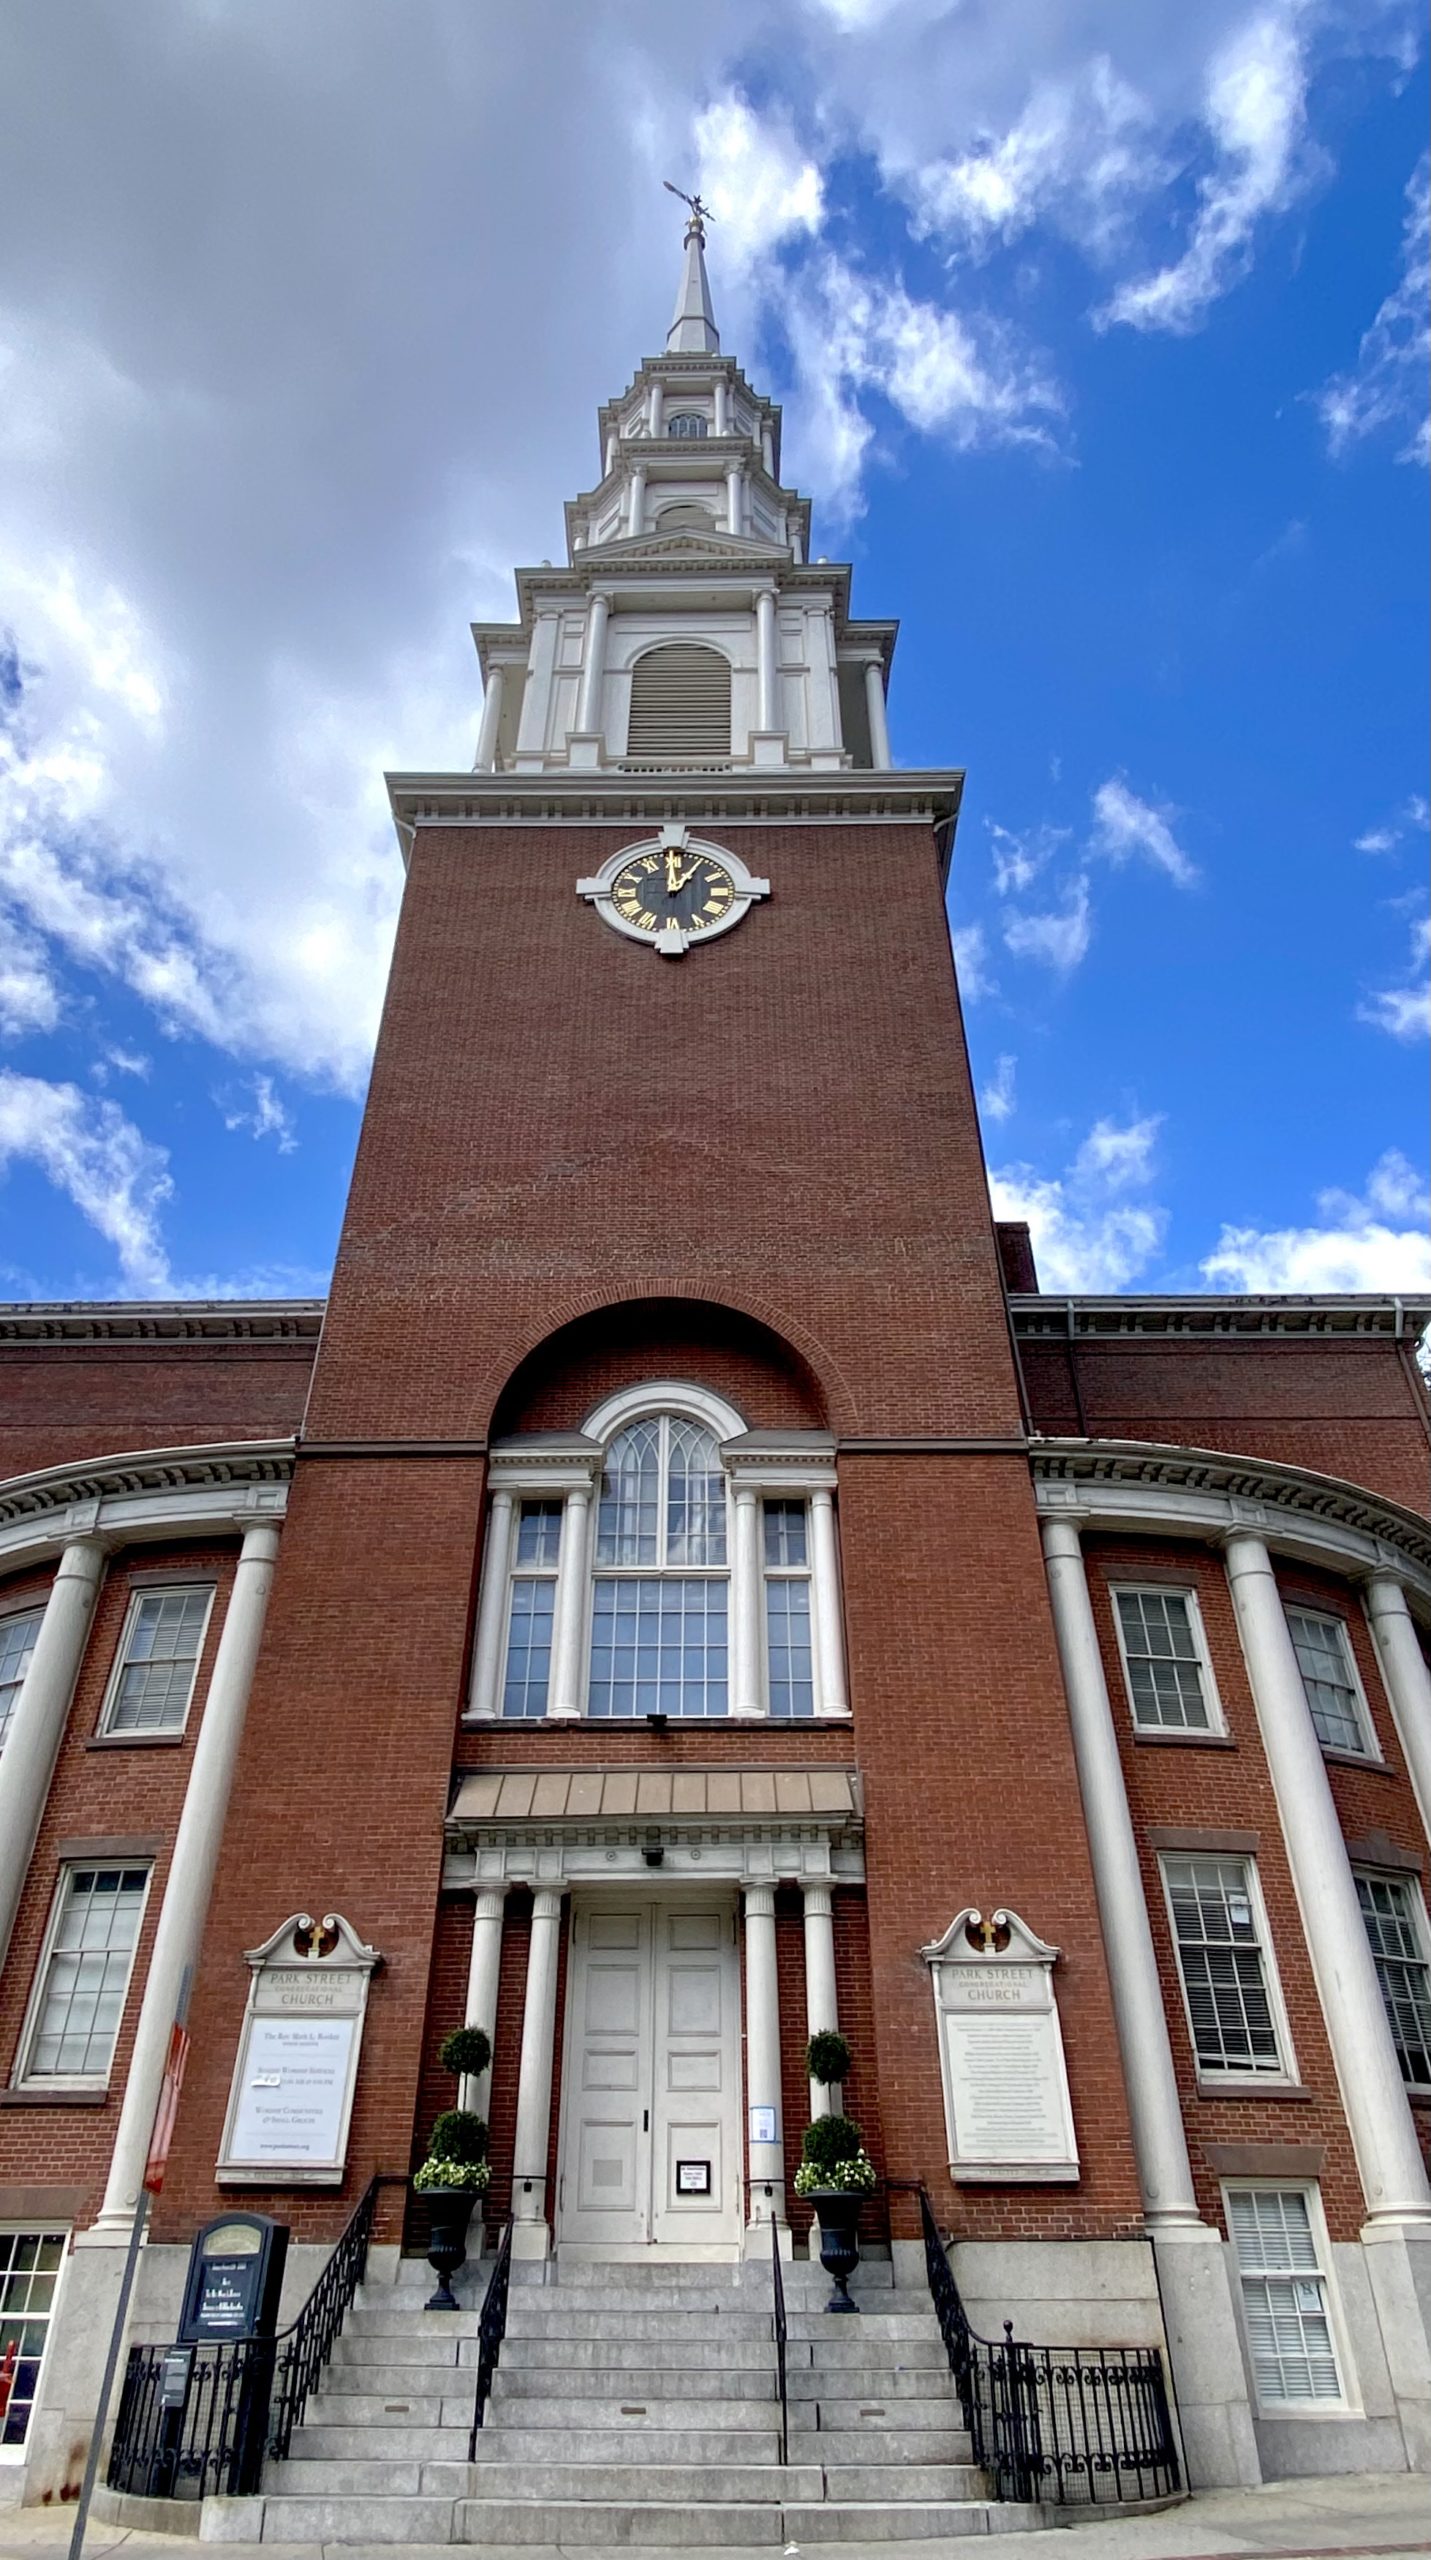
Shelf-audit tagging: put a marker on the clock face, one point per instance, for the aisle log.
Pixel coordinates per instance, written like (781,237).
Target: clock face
(672,886)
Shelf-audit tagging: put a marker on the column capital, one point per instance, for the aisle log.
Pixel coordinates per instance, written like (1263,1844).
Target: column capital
(1255,1556)
(1062,1538)
(819,1900)
(490,1901)
(759,1900)
(260,1543)
(546,1902)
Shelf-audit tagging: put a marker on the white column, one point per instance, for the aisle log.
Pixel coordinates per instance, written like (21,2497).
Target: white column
(762,2054)
(484,1981)
(593,664)
(879,725)
(745,1606)
(832,1693)
(27,1763)
(534,2079)
(1393,2173)
(569,1609)
(1408,1682)
(722,405)
(485,760)
(636,500)
(1159,2140)
(656,409)
(492,1605)
(821,2006)
(734,498)
(767,449)
(608,459)
(765,658)
(191,1870)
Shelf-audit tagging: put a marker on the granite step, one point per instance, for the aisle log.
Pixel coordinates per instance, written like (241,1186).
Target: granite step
(658,2408)
(628,2483)
(632,2440)
(549,2386)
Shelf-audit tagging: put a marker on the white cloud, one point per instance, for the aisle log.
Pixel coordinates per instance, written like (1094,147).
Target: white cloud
(267,1115)
(1405,1011)
(1386,387)
(1376,1242)
(759,184)
(1079,152)
(1018,859)
(1058,936)
(971,962)
(1377,840)
(962,377)
(997,1100)
(1085,1236)
(1124,825)
(29,997)
(1255,112)
(100,1161)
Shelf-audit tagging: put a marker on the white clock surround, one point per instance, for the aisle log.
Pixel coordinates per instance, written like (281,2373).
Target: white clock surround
(673,941)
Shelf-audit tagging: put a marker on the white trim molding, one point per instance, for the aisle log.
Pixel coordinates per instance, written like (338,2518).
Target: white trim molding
(154,1493)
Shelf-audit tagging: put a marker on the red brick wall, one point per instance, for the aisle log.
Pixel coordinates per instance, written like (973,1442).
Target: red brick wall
(1353,1409)
(1215,1786)
(566,1378)
(558,1119)
(102,1790)
(60,1402)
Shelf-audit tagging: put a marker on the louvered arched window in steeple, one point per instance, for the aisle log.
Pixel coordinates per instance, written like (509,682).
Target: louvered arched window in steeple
(680,705)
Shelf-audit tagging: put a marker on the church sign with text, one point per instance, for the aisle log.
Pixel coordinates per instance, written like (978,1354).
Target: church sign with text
(1006,2102)
(297,2068)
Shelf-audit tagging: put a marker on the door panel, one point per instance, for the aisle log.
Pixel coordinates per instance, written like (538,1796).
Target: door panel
(650,2144)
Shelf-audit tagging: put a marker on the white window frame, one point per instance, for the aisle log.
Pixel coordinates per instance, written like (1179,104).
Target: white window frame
(1370,1747)
(517,1572)
(106,1729)
(1235,2083)
(1421,1926)
(33,1607)
(38,2227)
(789,1573)
(1348,2404)
(26,2078)
(1188,1592)
(671,1401)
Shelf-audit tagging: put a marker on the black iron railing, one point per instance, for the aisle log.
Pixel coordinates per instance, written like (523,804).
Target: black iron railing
(198,2421)
(491,2330)
(1074,2426)
(781,2333)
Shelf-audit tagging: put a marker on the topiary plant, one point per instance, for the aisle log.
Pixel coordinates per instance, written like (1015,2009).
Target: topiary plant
(466,2053)
(828,2057)
(830,2139)
(457,2148)
(458,2134)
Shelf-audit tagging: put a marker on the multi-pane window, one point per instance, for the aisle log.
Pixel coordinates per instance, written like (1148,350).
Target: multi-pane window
(1395,1917)
(686,425)
(1167,1683)
(84,1976)
(17,1643)
(789,1644)
(29,2272)
(158,1661)
(659,1634)
(1284,2295)
(1329,1678)
(1223,1966)
(532,1609)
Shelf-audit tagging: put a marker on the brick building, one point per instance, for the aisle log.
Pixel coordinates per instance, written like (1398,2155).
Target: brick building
(689,1587)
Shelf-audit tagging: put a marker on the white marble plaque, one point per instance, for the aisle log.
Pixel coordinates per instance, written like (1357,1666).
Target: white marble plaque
(297,2065)
(1006,2099)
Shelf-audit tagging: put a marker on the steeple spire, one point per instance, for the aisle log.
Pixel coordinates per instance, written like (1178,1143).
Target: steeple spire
(693,330)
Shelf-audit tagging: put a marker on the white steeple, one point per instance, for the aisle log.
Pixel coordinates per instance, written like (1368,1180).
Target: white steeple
(693,330)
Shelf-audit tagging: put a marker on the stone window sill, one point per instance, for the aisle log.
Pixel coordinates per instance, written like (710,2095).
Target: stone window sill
(134,1741)
(1371,1760)
(1288,2091)
(54,2097)
(1185,1741)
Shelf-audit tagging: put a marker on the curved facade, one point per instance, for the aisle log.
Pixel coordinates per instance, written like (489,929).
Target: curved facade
(688,1589)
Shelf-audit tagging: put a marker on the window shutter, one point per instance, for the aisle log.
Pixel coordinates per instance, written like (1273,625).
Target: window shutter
(680,705)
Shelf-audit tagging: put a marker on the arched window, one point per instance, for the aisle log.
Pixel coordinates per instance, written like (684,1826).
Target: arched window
(680,704)
(660,1588)
(656,1563)
(685,517)
(687,423)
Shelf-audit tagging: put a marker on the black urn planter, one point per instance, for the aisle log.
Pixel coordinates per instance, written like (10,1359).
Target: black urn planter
(838,2212)
(450,2209)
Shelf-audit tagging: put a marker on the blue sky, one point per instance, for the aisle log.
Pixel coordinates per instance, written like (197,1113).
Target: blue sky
(1101,341)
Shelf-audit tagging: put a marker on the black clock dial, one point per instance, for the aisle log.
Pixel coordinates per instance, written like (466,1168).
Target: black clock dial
(673,886)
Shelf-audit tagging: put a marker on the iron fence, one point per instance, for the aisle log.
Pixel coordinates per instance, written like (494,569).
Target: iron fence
(491,2330)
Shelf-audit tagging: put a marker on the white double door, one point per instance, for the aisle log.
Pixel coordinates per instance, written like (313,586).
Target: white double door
(650,2138)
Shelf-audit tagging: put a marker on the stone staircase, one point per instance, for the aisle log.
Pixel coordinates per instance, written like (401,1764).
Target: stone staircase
(634,2405)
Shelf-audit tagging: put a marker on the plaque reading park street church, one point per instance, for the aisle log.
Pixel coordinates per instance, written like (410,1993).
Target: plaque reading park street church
(297,2067)
(1006,2102)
